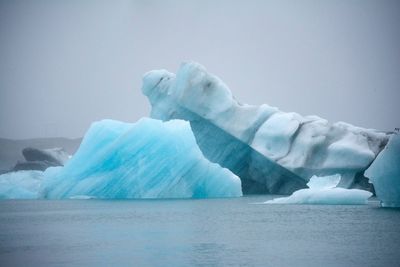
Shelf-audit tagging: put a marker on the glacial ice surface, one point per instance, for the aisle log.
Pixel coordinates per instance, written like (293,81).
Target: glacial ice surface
(20,184)
(303,145)
(147,159)
(323,190)
(384,173)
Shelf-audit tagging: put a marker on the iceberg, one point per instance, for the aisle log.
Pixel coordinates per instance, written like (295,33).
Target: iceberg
(146,159)
(384,173)
(41,159)
(57,156)
(20,184)
(323,190)
(270,150)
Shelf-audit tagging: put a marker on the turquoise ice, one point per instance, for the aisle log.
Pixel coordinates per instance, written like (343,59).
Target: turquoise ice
(147,159)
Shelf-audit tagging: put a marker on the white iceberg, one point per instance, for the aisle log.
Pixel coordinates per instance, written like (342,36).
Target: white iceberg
(147,159)
(323,190)
(269,149)
(384,173)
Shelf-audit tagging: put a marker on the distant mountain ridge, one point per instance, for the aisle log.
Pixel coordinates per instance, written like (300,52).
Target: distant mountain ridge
(11,150)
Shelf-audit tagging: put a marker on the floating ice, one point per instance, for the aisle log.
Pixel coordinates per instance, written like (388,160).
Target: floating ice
(323,190)
(20,184)
(147,159)
(272,151)
(57,155)
(384,173)
(41,159)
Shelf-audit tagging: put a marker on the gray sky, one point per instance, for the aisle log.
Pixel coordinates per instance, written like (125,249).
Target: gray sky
(64,64)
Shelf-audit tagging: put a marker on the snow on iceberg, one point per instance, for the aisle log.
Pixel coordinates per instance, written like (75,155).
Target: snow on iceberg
(281,150)
(384,173)
(20,184)
(147,159)
(323,190)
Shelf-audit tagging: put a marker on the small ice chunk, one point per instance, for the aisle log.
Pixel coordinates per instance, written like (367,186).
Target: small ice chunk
(323,190)
(326,182)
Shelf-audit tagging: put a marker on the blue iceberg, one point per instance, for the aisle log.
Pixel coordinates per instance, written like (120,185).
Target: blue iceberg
(147,159)
(324,190)
(384,173)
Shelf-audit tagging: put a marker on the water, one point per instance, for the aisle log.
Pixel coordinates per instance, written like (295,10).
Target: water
(209,232)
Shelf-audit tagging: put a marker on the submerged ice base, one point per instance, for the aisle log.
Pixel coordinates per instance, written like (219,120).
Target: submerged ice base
(323,190)
(147,159)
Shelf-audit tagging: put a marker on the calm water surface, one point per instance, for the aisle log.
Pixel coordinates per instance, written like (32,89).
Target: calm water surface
(209,232)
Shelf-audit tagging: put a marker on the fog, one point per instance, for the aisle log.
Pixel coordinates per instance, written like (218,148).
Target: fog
(65,64)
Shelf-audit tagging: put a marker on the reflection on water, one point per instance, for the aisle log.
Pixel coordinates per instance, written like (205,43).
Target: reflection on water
(213,232)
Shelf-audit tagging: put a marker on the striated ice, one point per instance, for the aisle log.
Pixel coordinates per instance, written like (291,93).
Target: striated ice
(147,159)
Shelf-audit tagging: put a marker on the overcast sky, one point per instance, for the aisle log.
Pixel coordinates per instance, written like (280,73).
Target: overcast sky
(64,64)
